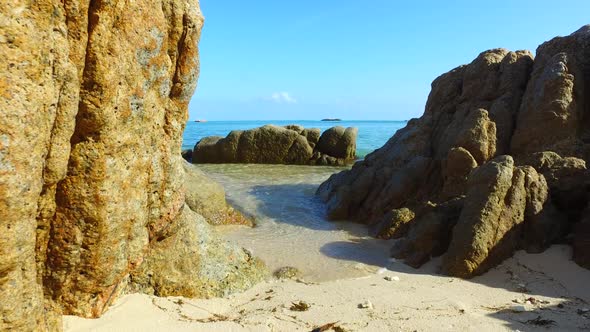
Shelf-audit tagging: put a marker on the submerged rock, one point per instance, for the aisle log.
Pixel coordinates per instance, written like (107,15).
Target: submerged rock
(271,144)
(194,262)
(505,138)
(207,198)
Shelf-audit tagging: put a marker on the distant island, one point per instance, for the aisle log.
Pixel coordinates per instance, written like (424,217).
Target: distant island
(330,119)
(200,120)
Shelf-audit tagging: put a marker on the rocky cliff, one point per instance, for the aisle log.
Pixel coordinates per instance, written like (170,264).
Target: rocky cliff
(94,99)
(496,163)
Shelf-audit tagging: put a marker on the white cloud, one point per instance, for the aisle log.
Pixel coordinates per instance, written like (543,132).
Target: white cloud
(282,97)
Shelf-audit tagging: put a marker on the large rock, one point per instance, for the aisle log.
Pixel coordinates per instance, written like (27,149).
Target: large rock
(91,180)
(393,225)
(503,103)
(194,262)
(431,235)
(554,111)
(271,144)
(467,121)
(40,86)
(339,142)
(207,198)
(489,228)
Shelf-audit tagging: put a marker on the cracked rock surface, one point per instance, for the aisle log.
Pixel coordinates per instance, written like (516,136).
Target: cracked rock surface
(94,97)
(496,163)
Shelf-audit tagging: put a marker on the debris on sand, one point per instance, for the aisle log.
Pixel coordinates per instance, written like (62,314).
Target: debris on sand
(327,327)
(366,305)
(540,321)
(287,272)
(299,306)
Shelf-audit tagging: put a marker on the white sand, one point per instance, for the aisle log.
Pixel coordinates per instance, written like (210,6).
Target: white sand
(421,300)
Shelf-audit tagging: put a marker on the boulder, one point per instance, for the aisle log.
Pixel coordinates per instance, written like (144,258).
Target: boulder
(194,262)
(207,198)
(531,113)
(553,113)
(339,142)
(431,235)
(568,180)
(207,148)
(187,155)
(456,169)
(271,144)
(312,135)
(392,225)
(92,183)
(489,228)
(457,132)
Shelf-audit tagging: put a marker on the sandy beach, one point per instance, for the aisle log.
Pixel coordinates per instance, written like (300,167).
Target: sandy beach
(527,293)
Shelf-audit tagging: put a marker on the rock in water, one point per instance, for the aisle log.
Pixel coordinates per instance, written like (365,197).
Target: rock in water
(187,155)
(91,178)
(207,198)
(393,225)
(271,144)
(193,262)
(497,162)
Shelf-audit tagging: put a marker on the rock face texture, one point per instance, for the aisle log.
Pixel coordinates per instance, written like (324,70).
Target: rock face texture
(194,262)
(496,163)
(94,97)
(207,198)
(280,145)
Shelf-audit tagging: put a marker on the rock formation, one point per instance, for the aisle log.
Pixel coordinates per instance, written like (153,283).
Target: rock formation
(207,198)
(496,163)
(280,145)
(95,98)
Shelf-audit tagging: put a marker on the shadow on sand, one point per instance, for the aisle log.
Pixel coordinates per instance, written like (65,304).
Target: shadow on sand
(551,274)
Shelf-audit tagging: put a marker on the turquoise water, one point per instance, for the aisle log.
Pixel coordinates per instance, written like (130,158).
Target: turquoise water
(292,229)
(372,134)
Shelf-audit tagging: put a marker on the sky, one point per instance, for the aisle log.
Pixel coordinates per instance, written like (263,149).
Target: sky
(355,60)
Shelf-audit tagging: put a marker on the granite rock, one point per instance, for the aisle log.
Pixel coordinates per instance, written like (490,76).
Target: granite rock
(207,198)
(91,177)
(271,144)
(506,135)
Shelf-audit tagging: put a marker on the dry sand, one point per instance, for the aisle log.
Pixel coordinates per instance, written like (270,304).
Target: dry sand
(420,300)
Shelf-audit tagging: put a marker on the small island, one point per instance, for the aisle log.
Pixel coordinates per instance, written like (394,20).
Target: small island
(330,119)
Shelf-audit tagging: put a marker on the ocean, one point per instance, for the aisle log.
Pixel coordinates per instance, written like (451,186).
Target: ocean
(291,225)
(372,134)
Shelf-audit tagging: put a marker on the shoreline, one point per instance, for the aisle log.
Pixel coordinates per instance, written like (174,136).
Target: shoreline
(557,297)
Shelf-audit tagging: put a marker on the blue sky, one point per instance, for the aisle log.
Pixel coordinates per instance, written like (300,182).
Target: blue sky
(356,60)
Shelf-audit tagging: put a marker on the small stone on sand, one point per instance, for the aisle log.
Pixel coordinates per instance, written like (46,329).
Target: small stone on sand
(366,305)
(518,308)
(390,278)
